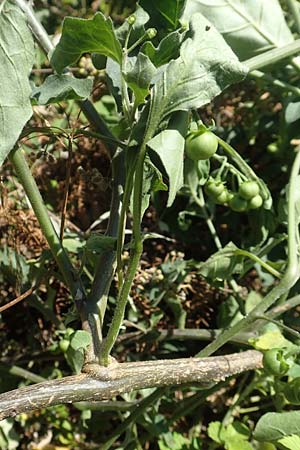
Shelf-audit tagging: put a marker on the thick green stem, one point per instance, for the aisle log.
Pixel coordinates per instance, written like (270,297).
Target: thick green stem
(71,278)
(286,283)
(97,299)
(273,56)
(120,307)
(135,254)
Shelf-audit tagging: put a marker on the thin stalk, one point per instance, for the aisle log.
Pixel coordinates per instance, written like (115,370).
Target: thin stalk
(131,419)
(66,190)
(288,280)
(71,278)
(243,166)
(273,56)
(20,372)
(289,330)
(271,80)
(18,299)
(240,396)
(201,203)
(122,222)
(258,260)
(287,306)
(294,8)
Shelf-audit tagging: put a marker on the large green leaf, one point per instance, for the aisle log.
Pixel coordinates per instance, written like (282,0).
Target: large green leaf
(62,87)
(85,36)
(274,426)
(206,66)
(16,60)
(251,26)
(164,13)
(169,147)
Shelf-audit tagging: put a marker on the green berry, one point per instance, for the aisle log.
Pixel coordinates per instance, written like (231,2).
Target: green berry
(200,146)
(214,188)
(237,203)
(255,202)
(248,189)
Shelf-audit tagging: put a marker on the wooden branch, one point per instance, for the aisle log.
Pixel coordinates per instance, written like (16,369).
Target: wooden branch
(102,383)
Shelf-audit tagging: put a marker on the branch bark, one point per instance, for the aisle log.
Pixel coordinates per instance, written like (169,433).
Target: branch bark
(102,383)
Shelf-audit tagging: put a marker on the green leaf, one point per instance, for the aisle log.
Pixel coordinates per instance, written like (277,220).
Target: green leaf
(62,87)
(9,439)
(270,338)
(140,76)
(292,112)
(291,442)
(85,36)
(80,339)
(234,436)
(168,145)
(167,49)
(275,426)
(251,27)
(206,66)
(238,444)
(99,243)
(222,264)
(196,173)
(16,60)
(214,430)
(164,13)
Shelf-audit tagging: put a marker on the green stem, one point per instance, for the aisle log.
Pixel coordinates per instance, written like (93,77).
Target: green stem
(20,372)
(262,263)
(135,254)
(120,307)
(288,280)
(201,203)
(271,80)
(71,278)
(240,396)
(273,56)
(289,330)
(122,222)
(97,299)
(244,167)
(131,419)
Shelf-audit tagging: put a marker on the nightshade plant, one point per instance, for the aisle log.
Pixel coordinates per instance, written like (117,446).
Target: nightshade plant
(161,66)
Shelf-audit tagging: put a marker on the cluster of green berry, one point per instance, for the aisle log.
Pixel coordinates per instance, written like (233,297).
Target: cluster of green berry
(247,197)
(203,144)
